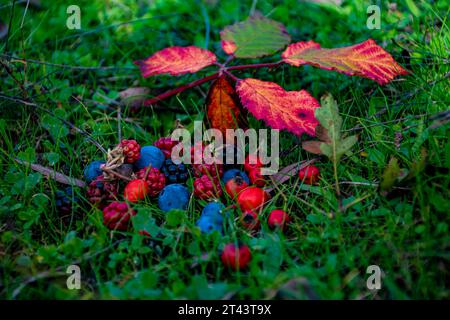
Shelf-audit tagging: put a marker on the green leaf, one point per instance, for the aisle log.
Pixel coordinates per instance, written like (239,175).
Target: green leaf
(29,155)
(52,158)
(175,217)
(143,221)
(329,130)
(346,144)
(56,128)
(255,37)
(412,7)
(328,116)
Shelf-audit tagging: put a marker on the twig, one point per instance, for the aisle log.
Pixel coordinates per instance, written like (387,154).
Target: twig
(179,89)
(35,105)
(58,272)
(51,173)
(198,82)
(65,66)
(118,175)
(11,74)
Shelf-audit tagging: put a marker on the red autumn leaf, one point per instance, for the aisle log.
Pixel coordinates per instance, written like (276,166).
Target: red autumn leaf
(280,109)
(223,107)
(366,59)
(176,61)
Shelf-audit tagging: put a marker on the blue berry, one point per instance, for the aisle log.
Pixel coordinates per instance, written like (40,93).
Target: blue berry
(64,200)
(232,173)
(212,209)
(173,196)
(92,170)
(208,225)
(150,156)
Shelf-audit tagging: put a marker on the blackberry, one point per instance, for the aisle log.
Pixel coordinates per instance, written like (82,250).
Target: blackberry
(175,173)
(100,191)
(64,200)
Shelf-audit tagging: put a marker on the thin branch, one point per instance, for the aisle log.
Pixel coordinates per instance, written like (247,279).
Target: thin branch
(198,82)
(11,74)
(65,66)
(51,173)
(179,89)
(35,105)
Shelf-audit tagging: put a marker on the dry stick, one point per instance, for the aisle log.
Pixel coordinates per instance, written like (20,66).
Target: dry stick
(11,74)
(32,104)
(118,175)
(43,109)
(51,173)
(58,272)
(66,66)
(198,82)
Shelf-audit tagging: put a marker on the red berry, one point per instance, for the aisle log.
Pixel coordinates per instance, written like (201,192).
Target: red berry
(116,216)
(235,185)
(136,190)
(256,177)
(250,220)
(252,161)
(100,191)
(207,188)
(197,151)
(208,169)
(309,174)
(131,150)
(252,198)
(236,257)
(155,179)
(278,219)
(166,145)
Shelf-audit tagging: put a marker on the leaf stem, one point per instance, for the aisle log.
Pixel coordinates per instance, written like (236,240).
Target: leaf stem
(198,82)
(257,65)
(175,91)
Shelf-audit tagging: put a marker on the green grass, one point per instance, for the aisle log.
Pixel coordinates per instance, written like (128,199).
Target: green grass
(406,232)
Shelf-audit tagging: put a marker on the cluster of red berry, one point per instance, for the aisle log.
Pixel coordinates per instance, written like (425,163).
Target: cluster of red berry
(142,182)
(251,200)
(149,171)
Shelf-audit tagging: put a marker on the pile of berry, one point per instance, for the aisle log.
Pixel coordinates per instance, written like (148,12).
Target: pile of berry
(149,172)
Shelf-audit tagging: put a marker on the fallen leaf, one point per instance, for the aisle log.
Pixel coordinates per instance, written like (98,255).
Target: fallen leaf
(287,173)
(255,37)
(366,59)
(312,146)
(134,97)
(280,109)
(176,61)
(223,108)
(390,175)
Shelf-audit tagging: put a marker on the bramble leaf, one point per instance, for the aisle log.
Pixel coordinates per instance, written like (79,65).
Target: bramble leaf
(331,143)
(223,109)
(366,59)
(255,37)
(176,61)
(280,109)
